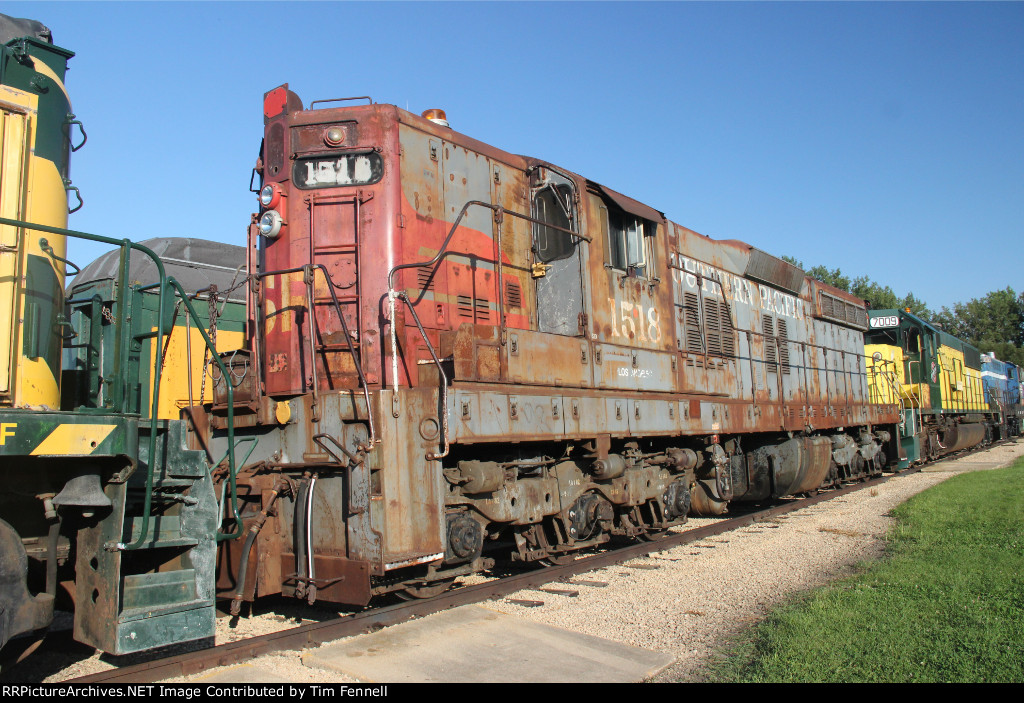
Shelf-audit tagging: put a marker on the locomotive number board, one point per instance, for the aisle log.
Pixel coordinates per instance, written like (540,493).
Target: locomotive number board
(885,321)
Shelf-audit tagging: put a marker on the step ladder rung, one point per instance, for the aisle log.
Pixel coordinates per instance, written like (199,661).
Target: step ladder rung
(336,347)
(336,249)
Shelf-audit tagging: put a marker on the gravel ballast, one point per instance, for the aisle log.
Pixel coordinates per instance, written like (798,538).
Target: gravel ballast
(698,595)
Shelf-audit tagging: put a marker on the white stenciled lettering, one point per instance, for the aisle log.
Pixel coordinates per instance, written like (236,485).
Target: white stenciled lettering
(635,321)
(711,280)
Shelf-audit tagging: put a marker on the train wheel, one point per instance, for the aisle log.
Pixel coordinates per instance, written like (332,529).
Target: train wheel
(427,590)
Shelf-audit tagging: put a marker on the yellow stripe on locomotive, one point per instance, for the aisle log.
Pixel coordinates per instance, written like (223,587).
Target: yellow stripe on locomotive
(198,265)
(31,282)
(962,388)
(179,367)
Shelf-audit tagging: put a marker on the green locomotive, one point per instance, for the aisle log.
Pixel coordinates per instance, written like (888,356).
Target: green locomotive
(106,510)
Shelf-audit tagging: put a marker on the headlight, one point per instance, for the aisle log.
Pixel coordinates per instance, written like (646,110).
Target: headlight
(270,223)
(334,136)
(270,195)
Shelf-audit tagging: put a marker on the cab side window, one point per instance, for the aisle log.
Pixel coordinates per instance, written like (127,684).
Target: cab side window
(553,204)
(630,244)
(913,341)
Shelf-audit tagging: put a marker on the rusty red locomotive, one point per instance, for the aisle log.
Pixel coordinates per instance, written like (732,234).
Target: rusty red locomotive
(458,355)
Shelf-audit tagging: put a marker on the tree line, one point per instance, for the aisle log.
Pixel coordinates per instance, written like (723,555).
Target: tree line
(993,323)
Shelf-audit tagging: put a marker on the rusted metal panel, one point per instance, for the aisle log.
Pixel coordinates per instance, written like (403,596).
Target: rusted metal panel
(692,373)
(762,266)
(634,369)
(615,416)
(536,358)
(535,416)
(486,415)
(413,488)
(338,580)
(653,416)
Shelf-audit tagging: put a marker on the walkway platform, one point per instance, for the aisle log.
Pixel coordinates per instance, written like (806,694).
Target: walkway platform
(473,644)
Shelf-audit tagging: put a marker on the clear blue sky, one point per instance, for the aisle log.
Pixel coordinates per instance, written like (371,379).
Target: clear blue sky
(885,139)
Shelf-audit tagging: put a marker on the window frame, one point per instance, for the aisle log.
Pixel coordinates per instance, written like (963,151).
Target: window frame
(543,230)
(646,268)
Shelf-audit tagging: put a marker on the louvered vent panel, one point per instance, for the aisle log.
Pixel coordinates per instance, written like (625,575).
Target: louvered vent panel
(425,278)
(712,326)
(826,305)
(728,335)
(475,309)
(770,353)
(691,323)
(482,310)
(850,314)
(465,306)
(513,295)
(784,347)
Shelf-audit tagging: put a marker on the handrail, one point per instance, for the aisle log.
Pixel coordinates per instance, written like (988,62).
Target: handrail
(172,282)
(231,468)
(351,347)
(126,246)
(393,295)
(455,226)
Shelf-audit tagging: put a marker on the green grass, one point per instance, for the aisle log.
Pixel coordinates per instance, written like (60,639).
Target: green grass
(946,604)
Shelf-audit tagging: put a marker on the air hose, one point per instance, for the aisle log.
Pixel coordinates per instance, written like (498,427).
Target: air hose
(254,530)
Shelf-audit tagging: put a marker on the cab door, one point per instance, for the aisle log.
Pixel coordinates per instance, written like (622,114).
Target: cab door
(558,266)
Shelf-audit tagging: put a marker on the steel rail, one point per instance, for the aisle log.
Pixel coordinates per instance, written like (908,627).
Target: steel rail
(315,634)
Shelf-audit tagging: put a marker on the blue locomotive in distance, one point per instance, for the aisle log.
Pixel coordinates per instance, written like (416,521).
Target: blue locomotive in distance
(1001,380)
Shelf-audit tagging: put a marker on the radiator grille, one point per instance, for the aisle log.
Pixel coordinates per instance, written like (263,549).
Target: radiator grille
(771,356)
(784,347)
(832,308)
(718,327)
(691,323)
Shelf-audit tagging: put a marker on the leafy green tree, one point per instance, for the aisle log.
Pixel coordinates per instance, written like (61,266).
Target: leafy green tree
(994,323)
(834,277)
(878,296)
(917,306)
